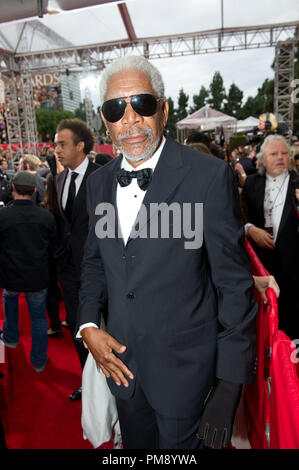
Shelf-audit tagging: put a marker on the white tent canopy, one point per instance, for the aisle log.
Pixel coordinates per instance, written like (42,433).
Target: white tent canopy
(246,124)
(206,119)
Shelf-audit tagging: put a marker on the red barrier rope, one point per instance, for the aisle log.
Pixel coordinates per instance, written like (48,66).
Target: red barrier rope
(258,397)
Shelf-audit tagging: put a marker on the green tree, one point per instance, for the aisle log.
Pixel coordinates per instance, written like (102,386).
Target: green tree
(170,126)
(80,112)
(47,120)
(181,111)
(261,103)
(199,100)
(217,92)
(233,104)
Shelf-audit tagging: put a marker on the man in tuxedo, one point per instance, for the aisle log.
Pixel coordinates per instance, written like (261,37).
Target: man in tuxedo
(272,225)
(73,141)
(170,337)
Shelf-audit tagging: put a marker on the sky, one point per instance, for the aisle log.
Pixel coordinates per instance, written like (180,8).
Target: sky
(102,23)
(247,69)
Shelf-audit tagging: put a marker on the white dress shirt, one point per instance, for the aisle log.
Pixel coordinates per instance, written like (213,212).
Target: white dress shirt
(81,169)
(128,200)
(275,196)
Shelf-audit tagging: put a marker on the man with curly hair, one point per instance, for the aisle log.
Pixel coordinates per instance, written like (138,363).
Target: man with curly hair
(73,141)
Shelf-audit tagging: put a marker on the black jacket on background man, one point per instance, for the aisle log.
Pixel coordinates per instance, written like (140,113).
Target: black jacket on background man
(283,261)
(28,238)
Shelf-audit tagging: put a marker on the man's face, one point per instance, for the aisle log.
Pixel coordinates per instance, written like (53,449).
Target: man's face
(276,159)
(68,153)
(136,136)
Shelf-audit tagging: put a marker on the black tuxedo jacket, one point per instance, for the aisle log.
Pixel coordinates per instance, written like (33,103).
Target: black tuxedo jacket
(74,234)
(286,253)
(185,315)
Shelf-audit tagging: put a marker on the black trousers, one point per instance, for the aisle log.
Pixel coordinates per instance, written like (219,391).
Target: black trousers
(53,298)
(70,284)
(144,428)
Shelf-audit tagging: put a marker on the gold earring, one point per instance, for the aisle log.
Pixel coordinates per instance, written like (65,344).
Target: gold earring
(107,133)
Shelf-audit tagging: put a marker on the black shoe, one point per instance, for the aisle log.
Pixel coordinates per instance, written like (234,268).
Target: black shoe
(76,395)
(55,334)
(64,324)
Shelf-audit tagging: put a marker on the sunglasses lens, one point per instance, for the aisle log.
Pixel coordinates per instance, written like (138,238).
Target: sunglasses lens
(113,110)
(145,104)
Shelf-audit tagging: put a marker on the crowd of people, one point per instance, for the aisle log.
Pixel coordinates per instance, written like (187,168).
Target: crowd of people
(180,323)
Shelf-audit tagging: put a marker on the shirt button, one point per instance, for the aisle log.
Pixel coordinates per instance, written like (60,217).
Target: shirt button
(130,296)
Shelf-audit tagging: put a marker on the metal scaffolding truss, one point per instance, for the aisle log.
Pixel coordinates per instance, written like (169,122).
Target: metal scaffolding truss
(19,113)
(88,108)
(284,75)
(28,122)
(12,111)
(97,56)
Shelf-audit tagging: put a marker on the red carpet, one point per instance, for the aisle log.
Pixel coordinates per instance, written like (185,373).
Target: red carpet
(36,412)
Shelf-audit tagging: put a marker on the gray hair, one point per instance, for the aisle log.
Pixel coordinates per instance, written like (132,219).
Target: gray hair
(262,153)
(132,63)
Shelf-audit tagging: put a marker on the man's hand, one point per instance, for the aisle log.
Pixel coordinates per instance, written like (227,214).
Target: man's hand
(262,283)
(262,238)
(101,345)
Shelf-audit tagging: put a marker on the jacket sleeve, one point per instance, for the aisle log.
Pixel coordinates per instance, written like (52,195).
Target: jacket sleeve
(91,300)
(230,270)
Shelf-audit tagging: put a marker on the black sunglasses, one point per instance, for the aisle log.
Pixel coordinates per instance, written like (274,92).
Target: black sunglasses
(143,104)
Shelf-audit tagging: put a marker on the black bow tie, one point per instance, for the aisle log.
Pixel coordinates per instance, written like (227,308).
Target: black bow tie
(144,177)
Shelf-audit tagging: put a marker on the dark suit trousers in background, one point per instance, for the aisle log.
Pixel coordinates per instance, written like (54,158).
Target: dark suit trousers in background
(70,284)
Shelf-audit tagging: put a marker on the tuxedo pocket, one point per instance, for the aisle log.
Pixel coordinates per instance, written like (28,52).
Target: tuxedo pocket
(196,336)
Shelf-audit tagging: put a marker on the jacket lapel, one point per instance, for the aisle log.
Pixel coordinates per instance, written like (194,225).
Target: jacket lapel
(60,181)
(109,197)
(81,195)
(288,205)
(259,199)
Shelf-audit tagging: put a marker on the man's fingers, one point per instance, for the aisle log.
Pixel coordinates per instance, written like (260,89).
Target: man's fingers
(102,346)
(104,370)
(116,346)
(114,364)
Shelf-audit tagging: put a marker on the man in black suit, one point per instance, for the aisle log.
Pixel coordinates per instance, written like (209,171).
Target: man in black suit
(169,336)
(73,141)
(272,225)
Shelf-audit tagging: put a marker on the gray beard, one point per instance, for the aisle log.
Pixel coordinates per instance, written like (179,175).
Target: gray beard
(150,150)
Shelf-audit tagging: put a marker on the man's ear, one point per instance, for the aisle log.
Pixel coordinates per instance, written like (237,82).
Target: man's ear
(80,146)
(104,120)
(165,111)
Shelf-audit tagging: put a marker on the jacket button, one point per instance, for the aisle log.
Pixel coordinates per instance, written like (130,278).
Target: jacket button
(130,296)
